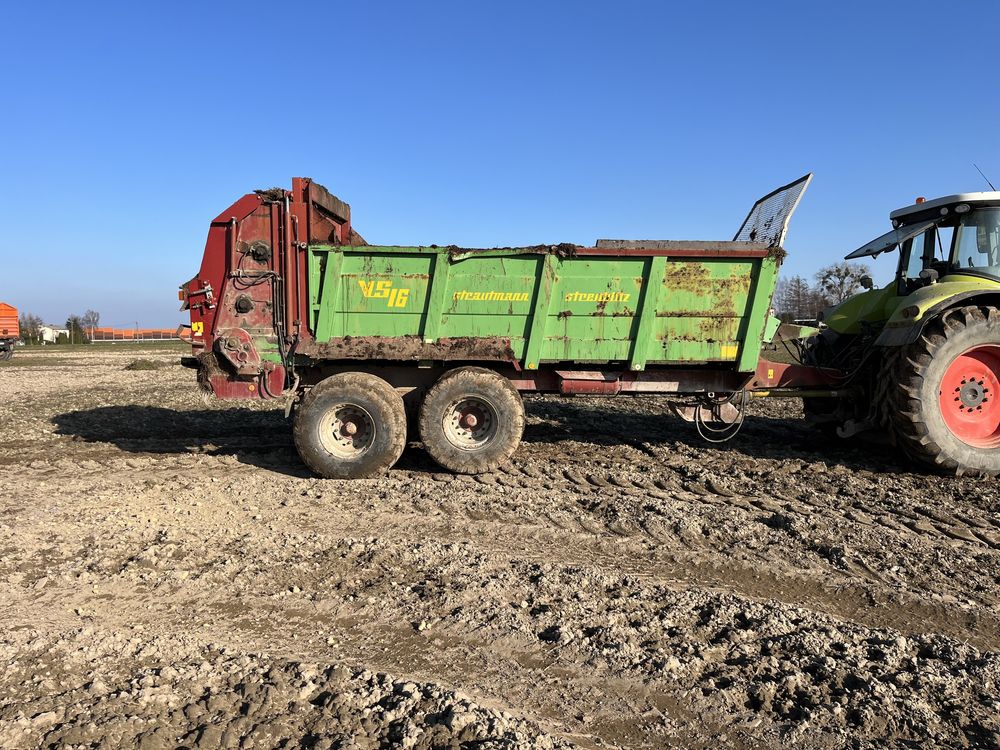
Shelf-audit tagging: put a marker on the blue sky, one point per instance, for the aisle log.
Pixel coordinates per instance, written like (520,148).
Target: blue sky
(127,128)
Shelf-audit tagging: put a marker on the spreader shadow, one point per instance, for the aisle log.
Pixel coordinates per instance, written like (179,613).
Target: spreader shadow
(263,438)
(606,423)
(256,438)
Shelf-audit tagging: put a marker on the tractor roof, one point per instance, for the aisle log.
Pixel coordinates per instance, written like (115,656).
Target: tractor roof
(912,220)
(925,209)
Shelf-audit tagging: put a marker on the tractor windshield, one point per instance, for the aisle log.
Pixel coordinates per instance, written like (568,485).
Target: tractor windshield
(976,243)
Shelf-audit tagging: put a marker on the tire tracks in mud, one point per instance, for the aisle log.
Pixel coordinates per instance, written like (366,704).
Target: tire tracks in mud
(571,539)
(858,593)
(866,603)
(921,520)
(454,653)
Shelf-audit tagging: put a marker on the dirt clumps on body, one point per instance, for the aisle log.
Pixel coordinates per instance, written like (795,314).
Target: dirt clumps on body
(172,576)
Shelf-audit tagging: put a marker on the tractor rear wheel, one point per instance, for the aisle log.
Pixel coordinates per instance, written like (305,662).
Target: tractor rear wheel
(350,426)
(943,395)
(471,420)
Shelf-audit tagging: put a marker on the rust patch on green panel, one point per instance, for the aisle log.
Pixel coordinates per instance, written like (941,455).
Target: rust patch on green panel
(715,329)
(685,276)
(697,278)
(413,348)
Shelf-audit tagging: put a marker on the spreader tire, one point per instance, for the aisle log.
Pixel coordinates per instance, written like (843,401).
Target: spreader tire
(471,420)
(943,395)
(350,426)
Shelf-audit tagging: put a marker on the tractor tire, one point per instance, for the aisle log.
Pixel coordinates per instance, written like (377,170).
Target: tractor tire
(471,420)
(942,401)
(350,426)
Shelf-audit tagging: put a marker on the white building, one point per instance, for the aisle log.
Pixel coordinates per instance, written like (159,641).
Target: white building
(49,334)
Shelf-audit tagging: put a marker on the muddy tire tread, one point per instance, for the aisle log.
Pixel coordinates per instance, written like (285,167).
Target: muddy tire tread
(903,374)
(386,401)
(510,409)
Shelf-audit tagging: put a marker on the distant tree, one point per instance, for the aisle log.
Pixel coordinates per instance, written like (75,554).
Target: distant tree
(91,319)
(77,334)
(31,328)
(796,299)
(841,280)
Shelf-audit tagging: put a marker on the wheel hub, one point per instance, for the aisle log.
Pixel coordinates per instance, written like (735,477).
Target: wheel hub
(972,394)
(470,423)
(347,431)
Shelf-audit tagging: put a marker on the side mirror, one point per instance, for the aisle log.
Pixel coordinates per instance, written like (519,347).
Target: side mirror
(866,282)
(929,275)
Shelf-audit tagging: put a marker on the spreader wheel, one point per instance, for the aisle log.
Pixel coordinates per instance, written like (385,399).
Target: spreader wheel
(471,420)
(944,401)
(350,426)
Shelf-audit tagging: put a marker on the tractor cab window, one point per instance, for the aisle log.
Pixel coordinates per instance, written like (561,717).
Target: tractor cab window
(915,256)
(929,249)
(976,245)
(944,233)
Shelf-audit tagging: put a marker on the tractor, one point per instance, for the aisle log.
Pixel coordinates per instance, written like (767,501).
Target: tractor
(921,355)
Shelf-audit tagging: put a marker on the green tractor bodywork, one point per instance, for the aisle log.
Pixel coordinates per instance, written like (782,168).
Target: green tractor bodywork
(941,305)
(901,318)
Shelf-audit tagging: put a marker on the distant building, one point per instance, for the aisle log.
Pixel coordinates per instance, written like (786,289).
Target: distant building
(132,334)
(50,334)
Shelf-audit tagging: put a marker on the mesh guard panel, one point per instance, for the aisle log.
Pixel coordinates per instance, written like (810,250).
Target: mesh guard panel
(767,221)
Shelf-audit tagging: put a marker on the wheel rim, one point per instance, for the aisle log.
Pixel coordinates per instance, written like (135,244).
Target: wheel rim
(347,431)
(470,423)
(970,396)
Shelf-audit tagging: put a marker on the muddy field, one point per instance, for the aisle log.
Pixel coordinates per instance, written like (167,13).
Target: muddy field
(171,576)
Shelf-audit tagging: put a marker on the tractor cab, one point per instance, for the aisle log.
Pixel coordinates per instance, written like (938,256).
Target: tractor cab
(954,235)
(922,353)
(954,240)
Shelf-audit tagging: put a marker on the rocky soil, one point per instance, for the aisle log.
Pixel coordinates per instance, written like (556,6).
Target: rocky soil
(172,576)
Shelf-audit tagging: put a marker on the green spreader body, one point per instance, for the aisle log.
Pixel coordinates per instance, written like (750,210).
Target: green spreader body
(638,307)
(288,293)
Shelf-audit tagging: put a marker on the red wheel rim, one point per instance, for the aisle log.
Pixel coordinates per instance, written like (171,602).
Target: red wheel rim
(970,396)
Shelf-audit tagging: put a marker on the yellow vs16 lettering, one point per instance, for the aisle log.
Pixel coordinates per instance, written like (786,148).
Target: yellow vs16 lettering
(394,296)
